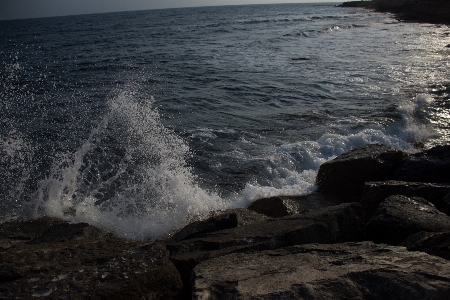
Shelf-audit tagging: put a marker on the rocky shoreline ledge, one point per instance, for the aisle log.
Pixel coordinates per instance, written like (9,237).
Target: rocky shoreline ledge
(430,11)
(377,228)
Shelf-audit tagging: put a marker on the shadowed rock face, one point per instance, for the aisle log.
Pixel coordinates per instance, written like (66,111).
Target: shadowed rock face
(276,207)
(345,175)
(399,217)
(57,260)
(434,243)
(228,219)
(376,192)
(340,271)
(429,166)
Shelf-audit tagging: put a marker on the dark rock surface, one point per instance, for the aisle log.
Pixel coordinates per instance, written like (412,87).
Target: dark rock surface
(431,11)
(289,205)
(345,175)
(434,243)
(365,4)
(429,166)
(78,261)
(339,271)
(375,192)
(399,217)
(225,220)
(334,224)
(275,207)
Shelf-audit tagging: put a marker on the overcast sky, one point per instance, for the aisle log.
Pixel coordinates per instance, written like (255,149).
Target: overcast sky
(20,9)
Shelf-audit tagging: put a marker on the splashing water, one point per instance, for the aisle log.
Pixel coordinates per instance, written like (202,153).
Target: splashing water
(130,176)
(412,114)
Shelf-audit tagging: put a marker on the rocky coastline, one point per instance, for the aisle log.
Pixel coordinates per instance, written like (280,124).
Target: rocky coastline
(429,11)
(377,228)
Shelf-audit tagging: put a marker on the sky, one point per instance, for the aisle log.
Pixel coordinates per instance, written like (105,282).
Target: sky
(23,9)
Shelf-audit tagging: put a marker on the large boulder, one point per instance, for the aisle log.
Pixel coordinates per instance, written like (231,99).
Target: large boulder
(434,243)
(375,192)
(428,166)
(345,175)
(399,217)
(79,261)
(338,271)
(340,223)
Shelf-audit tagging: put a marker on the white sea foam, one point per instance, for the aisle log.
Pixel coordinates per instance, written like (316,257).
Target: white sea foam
(292,168)
(130,176)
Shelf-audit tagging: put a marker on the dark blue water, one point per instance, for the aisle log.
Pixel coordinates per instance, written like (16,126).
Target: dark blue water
(138,121)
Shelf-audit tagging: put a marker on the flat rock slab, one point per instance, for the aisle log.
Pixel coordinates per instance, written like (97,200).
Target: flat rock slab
(78,261)
(434,243)
(428,166)
(399,217)
(345,175)
(338,271)
(375,192)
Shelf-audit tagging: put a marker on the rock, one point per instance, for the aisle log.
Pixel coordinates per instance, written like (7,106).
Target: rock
(17,231)
(340,223)
(399,217)
(345,175)
(375,192)
(436,12)
(338,271)
(276,207)
(228,219)
(428,166)
(434,243)
(83,264)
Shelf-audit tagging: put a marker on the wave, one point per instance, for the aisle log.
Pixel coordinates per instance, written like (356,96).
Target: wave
(129,177)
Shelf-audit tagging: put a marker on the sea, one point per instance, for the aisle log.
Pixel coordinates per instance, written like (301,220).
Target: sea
(139,122)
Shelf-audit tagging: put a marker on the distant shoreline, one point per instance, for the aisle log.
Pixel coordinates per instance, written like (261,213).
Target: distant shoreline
(429,11)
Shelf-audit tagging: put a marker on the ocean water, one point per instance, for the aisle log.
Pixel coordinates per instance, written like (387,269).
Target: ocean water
(139,121)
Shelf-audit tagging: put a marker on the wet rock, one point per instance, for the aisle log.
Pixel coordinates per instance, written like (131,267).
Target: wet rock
(345,175)
(399,217)
(225,220)
(276,207)
(428,166)
(338,271)
(340,223)
(375,192)
(434,243)
(86,264)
